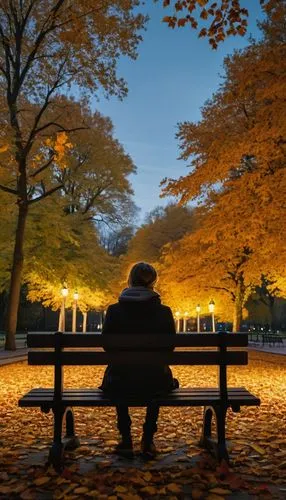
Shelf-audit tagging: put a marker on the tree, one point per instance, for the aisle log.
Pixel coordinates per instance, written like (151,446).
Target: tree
(81,264)
(116,240)
(214,261)
(161,226)
(238,172)
(95,180)
(62,242)
(216,20)
(45,47)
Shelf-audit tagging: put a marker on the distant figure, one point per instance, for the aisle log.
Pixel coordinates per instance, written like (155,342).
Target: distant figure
(138,311)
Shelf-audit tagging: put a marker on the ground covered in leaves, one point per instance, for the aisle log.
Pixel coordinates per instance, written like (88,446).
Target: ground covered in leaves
(181,470)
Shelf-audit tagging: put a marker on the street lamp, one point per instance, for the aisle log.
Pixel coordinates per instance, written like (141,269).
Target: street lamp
(186,314)
(64,295)
(198,309)
(75,298)
(177,316)
(211,310)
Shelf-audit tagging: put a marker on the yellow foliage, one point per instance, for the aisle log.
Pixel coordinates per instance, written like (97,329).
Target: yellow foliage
(4,148)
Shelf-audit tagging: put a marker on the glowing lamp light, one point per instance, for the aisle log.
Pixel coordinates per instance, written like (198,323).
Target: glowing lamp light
(65,291)
(177,314)
(198,308)
(211,306)
(76,295)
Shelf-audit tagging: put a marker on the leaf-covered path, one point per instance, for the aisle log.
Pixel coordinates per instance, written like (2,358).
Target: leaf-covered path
(181,471)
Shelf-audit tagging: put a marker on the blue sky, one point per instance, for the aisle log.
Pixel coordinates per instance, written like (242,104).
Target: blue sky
(169,82)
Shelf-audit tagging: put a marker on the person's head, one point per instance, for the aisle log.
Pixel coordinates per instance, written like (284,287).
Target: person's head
(142,274)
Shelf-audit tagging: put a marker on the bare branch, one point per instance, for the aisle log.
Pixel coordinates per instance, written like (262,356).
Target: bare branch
(61,127)
(44,195)
(43,167)
(224,289)
(9,190)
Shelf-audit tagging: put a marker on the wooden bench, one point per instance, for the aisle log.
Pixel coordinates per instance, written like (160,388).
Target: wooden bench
(62,349)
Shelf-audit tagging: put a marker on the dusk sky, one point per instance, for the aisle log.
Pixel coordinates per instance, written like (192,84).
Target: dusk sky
(169,82)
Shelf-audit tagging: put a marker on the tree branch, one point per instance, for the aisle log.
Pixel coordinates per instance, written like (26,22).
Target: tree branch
(224,289)
(43,167)
(47,193)
(9,190)
(61,127)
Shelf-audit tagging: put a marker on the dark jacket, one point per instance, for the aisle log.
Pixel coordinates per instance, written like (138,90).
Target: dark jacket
(138,311)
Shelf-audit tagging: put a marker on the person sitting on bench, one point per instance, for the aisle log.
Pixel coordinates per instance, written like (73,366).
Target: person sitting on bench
(138,311)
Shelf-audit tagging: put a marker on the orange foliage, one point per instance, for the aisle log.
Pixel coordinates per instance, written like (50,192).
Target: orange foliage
(225,17)
(238,173)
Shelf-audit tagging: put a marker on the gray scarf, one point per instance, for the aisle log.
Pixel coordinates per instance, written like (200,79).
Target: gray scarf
(137,294)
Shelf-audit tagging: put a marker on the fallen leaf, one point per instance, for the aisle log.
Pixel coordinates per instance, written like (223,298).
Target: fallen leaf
(173,488)
(257,448)
(149,490)
(81,490)
(39,481)
(220,491)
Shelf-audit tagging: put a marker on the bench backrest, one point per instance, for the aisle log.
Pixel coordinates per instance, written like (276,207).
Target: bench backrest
(97,349)
(137,349)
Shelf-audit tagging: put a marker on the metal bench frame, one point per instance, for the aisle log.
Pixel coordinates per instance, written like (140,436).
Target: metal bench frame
(62,349)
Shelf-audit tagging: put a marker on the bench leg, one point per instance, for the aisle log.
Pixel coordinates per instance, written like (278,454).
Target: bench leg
(71,440)
(217,447)
(57,449)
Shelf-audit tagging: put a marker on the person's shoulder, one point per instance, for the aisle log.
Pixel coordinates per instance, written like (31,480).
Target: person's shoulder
(113,307)
(166,308)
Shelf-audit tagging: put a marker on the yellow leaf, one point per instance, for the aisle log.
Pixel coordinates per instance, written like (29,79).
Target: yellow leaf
(39,481)
(149,490)
(147,476)
(111,442)
(81,490)
(120,489)
(174,488)
(4,148)
(257,448)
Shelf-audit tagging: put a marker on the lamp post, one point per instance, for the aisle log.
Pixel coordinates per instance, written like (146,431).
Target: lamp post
(186,314)
(211,310)
(64,295)
(198,309)
(177,316)
(75,298)
(84,314)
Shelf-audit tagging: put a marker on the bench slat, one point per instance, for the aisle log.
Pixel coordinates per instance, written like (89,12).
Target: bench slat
(139,341)
(86,358)
(179,397)
(183,390)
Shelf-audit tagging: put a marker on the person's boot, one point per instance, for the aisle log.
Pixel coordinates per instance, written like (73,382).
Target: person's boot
(148,447)
(125,447)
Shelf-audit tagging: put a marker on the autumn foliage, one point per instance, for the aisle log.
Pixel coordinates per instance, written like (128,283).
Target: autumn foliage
(236,154)
(215,20)
(47,50)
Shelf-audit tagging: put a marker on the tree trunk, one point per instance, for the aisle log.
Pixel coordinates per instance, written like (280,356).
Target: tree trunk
(238,304)
(237,316)
(16,275)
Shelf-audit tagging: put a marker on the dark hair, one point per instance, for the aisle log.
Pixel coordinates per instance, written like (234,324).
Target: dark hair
(142,274)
